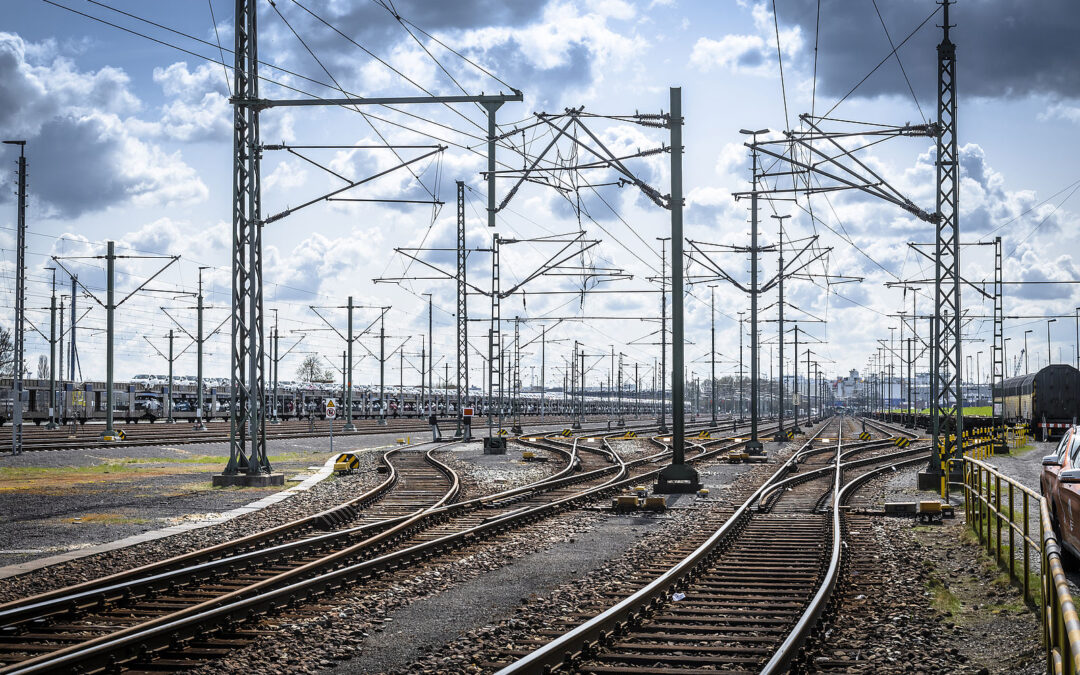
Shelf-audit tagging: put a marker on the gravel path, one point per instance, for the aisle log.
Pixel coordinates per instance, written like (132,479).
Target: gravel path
(330,492)
(54,502)
(484,474)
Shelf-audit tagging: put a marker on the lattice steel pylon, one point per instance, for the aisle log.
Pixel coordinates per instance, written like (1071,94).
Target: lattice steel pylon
(997,399)
(945,380)
(247,434)
(515,383)
(494,346)
(462,311)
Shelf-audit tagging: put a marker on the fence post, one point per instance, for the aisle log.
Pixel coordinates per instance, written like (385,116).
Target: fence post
(1027,564)
(1012,531)
(978,504)
(967,495)
(997,520)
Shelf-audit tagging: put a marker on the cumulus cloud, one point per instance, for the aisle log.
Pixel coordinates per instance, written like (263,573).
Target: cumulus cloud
(90,162)
(1061,110)
(84,149)
(750,54)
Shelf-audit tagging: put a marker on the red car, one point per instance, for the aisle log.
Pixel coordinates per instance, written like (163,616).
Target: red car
(1060,484)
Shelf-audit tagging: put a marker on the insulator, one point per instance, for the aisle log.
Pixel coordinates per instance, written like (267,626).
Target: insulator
(931,130)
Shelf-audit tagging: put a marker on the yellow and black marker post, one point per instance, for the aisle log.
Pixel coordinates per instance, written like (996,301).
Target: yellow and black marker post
(346,463)
(864,436)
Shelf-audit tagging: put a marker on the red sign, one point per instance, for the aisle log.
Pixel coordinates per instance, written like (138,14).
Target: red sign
(467,412)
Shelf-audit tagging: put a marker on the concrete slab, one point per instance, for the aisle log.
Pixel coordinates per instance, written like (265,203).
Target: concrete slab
(248,480)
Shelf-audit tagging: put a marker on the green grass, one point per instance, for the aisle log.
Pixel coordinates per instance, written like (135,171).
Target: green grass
(976,410)
(969,537)
(942,599)
(13,473)
(1022,450)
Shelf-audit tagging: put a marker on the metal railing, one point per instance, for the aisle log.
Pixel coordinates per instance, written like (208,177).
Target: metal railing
(990,506)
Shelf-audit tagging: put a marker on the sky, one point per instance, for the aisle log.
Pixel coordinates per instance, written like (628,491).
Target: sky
(129,139)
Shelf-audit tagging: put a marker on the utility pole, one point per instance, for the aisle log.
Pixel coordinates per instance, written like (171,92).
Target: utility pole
(780,436)
(795,385)
(678,476)
(494,444)
(462,314)
(52,354)
(275,362)
(110,306)
(166,394)
(543,350)
(431,352)
(169,394)
(248,432)
(946,360)
(60,353)
(754,445)
(621,421)
(347,373)
(73,355)
(515,402)
(663,333)
(199,340)
(382,369)
(20,305)
(741,390)
(712,350)
(637,391)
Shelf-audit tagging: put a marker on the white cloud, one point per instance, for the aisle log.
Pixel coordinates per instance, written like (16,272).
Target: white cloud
(86,156)
(1061,111)
(750,54)
(733,52)
(286,175)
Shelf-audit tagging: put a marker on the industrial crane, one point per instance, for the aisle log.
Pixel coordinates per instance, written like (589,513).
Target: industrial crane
(1019,360)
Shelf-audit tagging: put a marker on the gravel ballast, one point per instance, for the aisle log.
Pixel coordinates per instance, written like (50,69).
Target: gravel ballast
(326,494)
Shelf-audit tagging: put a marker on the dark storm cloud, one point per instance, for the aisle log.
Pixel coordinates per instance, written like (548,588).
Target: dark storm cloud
(78,160)
(1004,47)
(372,26)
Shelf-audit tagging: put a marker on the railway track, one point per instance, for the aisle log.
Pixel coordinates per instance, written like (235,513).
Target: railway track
(99,622)
(41,439)
(746,597)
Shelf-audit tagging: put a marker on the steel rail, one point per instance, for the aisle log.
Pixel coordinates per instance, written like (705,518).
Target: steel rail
(789,649)
(202,555)
(156,576)
(571,644)
(159,436)
(871,445)
(255,588)
(136,641)
(204,562)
